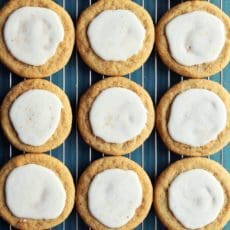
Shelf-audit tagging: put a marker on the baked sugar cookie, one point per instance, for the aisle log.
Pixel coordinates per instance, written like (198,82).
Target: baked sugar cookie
(113,193)
(193,39)
(36,192)
(115,116)
(193,118)
(36,116)
(193,193)
(37,37)
(114,37)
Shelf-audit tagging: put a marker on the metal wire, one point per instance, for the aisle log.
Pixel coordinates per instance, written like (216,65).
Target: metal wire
(221,82)
(63,87)
(10,146)
(155,100)
(77,98)
(169,85)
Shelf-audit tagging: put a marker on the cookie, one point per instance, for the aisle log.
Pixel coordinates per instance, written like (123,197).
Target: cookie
(28,125)
(35,160)
(200,62)
(181,167)
(105,165)
(209,127)
(60,51)
(106,58)
(115,116)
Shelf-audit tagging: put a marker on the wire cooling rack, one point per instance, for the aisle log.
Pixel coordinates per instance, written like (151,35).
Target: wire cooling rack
(76,78)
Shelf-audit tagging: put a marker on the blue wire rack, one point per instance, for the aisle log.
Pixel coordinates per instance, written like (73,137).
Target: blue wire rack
(76,78)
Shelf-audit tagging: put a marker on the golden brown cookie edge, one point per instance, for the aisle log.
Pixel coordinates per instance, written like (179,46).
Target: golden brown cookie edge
(61,171)
(196,71)
(163,110)
(64,126)
(169,174)
(63,52)
(87,100)
(99,166)
(112,68)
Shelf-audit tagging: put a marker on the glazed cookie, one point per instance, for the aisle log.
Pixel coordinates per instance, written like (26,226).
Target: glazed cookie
(36,116)
(36,192)
(114,193)
(193,118)
(115,116)
(193,193)
(37,37)
(201,25)
(115,37)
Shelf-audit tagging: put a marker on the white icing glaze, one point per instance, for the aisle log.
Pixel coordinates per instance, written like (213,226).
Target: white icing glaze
(195,198)
(35,116)
(195,38)
(32,34)
(35,192)
(116,35)
(113,196)
(197,116)
(117,115)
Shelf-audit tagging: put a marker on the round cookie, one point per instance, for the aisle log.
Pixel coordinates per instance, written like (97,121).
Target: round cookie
(85,105)
(63,127)
(163,111)
(113,68)
(51,163)
(160,200)
(64,49)
(199,70)
(111,163)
